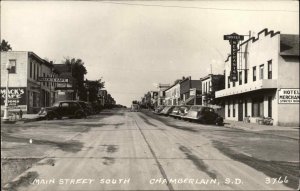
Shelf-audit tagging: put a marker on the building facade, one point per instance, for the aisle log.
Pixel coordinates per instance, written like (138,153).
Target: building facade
(210,84)
(161,94)
(268,72)
(190,91)
(173,94)
(28,93)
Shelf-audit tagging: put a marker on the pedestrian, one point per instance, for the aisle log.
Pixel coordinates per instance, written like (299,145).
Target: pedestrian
(20,113)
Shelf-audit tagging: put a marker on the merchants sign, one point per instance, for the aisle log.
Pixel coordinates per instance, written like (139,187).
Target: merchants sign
(288,95)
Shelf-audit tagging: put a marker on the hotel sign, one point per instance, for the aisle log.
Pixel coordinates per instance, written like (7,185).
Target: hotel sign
(49,79)
(233,40)
(288,95)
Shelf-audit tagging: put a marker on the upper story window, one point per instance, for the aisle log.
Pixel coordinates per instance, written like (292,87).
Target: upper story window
(261,72)
(34,71)
(246,77)
(270,69)
(228,82)
(240,78)
(30,72)
(13,65)
(254,73)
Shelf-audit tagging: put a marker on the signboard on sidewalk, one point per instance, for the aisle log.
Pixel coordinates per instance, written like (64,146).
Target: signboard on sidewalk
(51,79)
(288,95)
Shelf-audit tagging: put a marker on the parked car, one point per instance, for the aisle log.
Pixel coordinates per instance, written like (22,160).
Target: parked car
(135,108)
(180,111)
(158,109)
(71,109)
(167,110)
(203,115)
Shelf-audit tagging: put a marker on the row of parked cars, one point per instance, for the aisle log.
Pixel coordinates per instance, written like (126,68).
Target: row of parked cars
(198,113)
(71,109)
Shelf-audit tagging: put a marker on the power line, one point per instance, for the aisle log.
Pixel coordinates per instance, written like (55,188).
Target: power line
(203,8)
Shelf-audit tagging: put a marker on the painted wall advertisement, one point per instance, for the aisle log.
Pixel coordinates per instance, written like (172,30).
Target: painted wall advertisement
(288,95)
(16,98)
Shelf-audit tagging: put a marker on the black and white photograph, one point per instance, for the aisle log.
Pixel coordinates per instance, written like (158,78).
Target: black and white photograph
(149,95)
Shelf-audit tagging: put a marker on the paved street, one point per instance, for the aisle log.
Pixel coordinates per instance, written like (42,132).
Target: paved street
(122,150)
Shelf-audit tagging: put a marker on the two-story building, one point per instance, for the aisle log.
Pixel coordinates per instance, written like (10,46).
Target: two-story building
(173,94)
(161,93)
(268,80)
(24,86)
(210,84)
(190,91)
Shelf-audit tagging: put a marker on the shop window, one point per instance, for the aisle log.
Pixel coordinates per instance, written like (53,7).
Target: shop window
(246,108)
(270,106)
(228,112)
(254,73)
(240,78)
(13,65)
(270,69)
(233,108)
(261,72)
(258,107)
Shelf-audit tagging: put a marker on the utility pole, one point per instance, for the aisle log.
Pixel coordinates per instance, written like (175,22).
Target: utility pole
(5,117)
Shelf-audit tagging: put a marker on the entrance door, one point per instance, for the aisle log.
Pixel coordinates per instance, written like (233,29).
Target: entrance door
(240,111)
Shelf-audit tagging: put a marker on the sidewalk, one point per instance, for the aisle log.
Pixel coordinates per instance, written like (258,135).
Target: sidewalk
(256,126)
(25,118)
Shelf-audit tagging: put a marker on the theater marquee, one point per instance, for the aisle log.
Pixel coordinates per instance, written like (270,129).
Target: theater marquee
(288,95)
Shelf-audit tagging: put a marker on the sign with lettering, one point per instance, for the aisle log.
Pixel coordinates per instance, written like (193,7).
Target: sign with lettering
(233,40)
(16,96)
(288,95)
(50,79)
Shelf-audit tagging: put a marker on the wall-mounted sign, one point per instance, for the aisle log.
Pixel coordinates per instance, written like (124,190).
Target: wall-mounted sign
(50,79)
(16,96)
(193,92)
(288,95)
(233,40)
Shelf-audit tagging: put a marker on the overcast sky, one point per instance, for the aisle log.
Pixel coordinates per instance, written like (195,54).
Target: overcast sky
(135,45)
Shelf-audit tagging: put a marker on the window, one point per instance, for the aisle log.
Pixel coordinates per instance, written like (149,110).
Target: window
(270,69)
(233,108)
(30,69)
(34,71)
(261,72)
(44,76)
(228,112)
(254,73)
(270,106)
(246,77)
(240,78)
(246,108)
(47,82)
(13,65)
(38,71)
(258,107)
(228,82)
(65,105)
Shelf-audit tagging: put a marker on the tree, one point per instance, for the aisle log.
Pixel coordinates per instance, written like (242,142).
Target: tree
(78,71)
(5,46)
(92,87)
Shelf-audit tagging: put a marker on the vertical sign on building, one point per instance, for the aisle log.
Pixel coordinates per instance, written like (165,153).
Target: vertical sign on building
(233,40)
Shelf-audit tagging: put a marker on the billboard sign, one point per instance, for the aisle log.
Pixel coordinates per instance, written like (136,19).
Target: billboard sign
(288,95)
(233,40)
(16,98)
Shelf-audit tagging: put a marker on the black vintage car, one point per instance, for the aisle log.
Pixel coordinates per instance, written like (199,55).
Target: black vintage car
(71,109)
(205,115)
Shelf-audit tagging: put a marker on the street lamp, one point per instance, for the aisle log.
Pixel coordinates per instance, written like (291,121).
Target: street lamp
(5,117)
